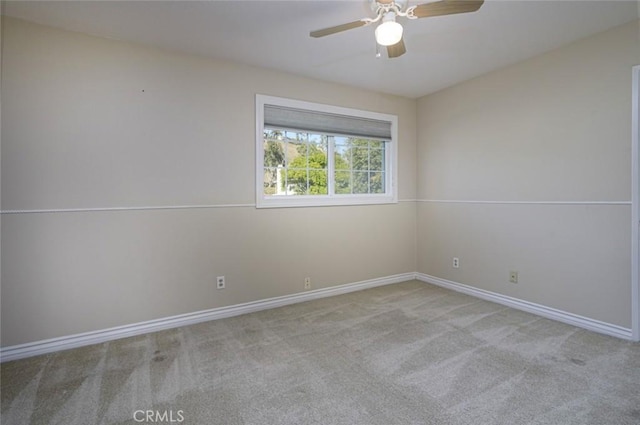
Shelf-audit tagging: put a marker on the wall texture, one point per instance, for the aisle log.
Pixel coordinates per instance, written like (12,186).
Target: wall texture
(91,123)
(553,135)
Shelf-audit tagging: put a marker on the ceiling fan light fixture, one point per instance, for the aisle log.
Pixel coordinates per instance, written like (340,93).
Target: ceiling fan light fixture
(389,32)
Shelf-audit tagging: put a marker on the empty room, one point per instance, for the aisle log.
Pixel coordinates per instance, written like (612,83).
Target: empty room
(320,212)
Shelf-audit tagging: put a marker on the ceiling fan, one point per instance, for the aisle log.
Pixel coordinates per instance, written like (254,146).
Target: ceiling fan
(389,32)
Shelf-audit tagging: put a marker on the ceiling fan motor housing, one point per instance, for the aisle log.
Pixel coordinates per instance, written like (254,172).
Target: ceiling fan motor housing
(388,5)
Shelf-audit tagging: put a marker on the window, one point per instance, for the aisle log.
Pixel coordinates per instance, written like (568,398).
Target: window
(310,154)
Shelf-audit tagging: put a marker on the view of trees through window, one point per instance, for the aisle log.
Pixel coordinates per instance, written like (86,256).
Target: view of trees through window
(297,163)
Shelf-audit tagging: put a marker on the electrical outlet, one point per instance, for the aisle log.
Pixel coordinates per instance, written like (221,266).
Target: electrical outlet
(513,277)
(456,262)
(307,283)
(220,282)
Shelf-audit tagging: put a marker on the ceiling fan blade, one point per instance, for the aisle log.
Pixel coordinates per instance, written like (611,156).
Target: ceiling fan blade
(446,7)
(338,28)
(396,50)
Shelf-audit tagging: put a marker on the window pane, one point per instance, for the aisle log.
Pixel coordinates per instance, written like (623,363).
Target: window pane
(270,181)
(376,159)
(318,182)
(318,156)
(341,157)
(274,153)
(360,158)
(360,182)
(297,181)
(343,182)
(362,143)
(340,141)
(376,182)
(294,150)
(296,136)
(316,138)
(294,182)
(273,134)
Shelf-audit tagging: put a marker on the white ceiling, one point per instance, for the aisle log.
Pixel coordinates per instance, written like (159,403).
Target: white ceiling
(441,51)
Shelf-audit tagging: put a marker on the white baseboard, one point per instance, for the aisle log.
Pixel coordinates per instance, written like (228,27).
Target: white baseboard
(540,310)
(96,337)
(31,349)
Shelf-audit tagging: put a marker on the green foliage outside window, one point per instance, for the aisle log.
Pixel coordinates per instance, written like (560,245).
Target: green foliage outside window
(302,160)
(308,172)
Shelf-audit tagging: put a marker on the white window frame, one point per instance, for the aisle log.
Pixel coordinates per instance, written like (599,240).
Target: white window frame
(278,201)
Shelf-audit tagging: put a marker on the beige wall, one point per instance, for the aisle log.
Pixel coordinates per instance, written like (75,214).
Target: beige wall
(96,123)
(554,128)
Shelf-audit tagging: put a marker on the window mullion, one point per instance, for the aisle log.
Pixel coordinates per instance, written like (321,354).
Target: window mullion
(369,167)
(330,166)
(388,172)
(308,151)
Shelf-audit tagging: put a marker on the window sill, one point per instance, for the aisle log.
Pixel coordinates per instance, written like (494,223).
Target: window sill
(323,201)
